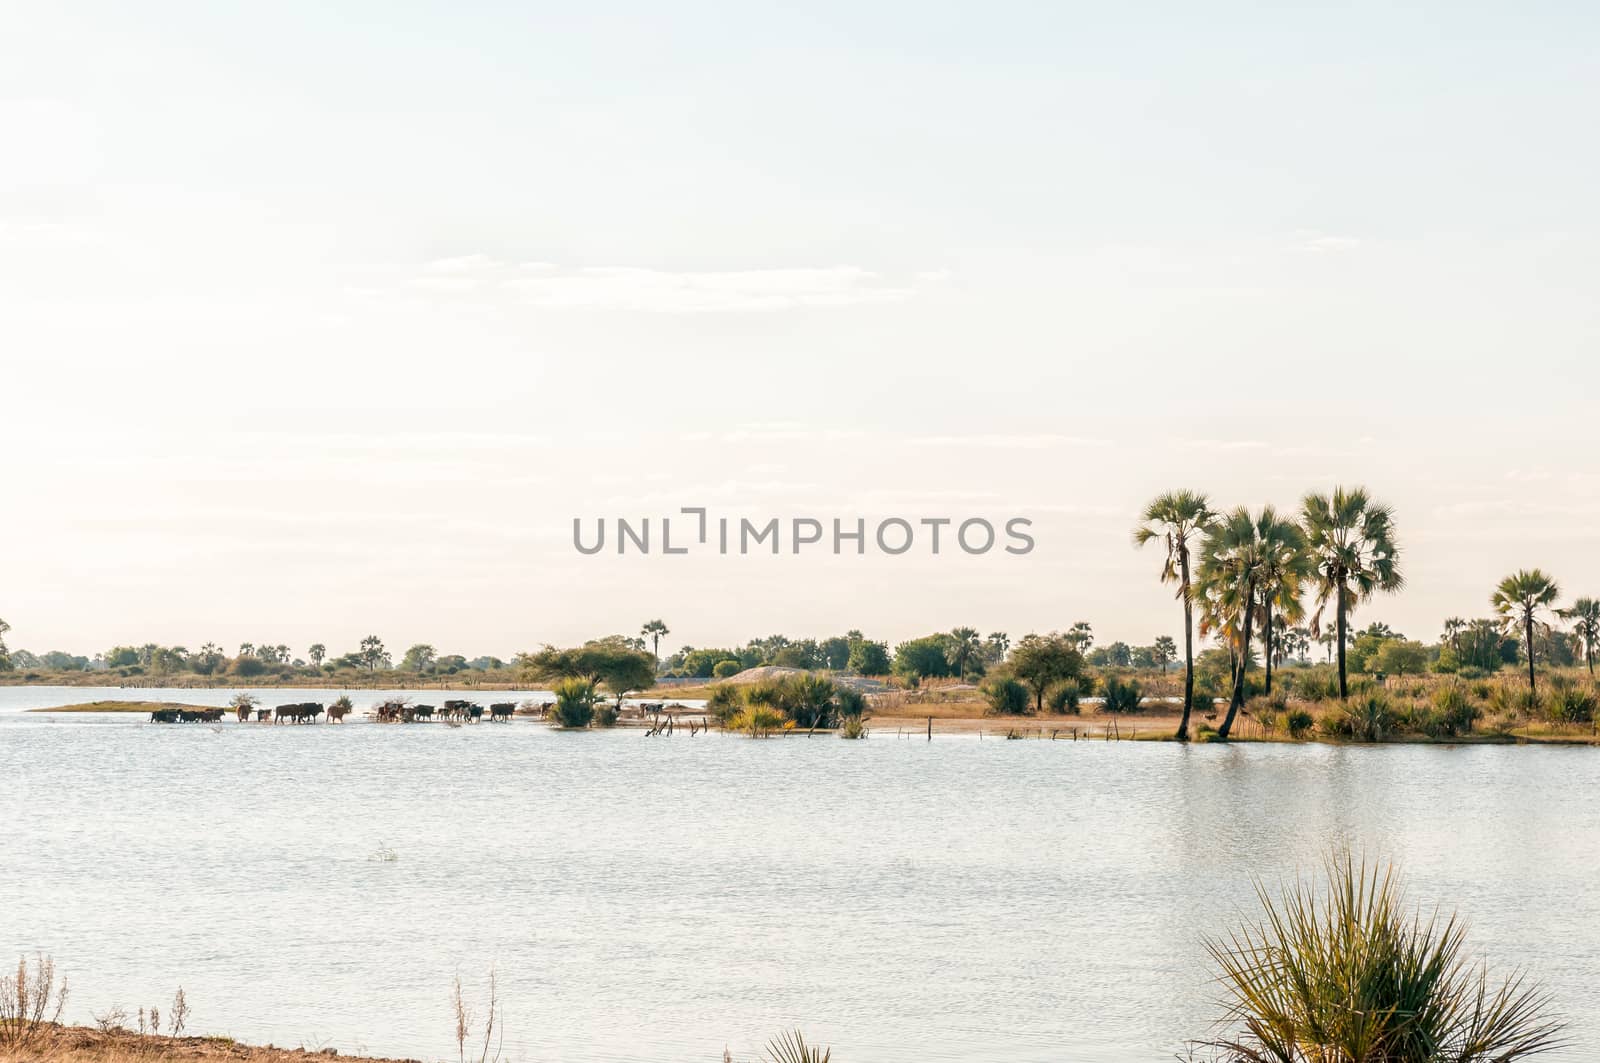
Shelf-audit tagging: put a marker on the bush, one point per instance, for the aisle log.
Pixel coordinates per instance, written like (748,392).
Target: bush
(605,715)
(575,702)
(1342,971)
(853,727)
(723,669)
(725,703)
(1121,695)
(850,704)
(1568,702)
(807,700)
(1452,714)
(1005,696)
(758,720)
(1365,719)
(1298,722)
(1064,697)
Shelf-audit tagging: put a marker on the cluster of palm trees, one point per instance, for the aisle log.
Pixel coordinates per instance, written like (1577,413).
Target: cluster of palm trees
(1248,573)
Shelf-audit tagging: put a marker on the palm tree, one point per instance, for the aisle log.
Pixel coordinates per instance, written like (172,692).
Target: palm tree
(1453,628)
(963,648)
(1520,599)
(1229,579)
(1164,650)
(1284,569)
(1353,553)
(1082,636)
(999,643)
(317,652)
(653,631)
(1179,519)
(1586,613)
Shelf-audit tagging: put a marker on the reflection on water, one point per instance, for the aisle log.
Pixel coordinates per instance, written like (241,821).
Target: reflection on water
(661,898)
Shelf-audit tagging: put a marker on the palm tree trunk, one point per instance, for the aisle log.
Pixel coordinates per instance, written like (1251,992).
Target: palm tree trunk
(1344,689)
(1188,649)
(1238,675)
(1533,690)
(1266,638)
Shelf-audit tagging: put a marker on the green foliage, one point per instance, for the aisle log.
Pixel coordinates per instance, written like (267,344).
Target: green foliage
(1400,657)
(1298,722)
(575,702)
(1063,697)
(1367,718)
(792,1048)
(924,658)
(1341,973)
(1042,661)
(703,663)
(853,727)
(1004,696)
(1569,702)
(1451,713)
(247,667)
(808,700)
(725,702)
(724,669)
(758,720)
(605,715)
(1121,695)
(869,658)
(612,662)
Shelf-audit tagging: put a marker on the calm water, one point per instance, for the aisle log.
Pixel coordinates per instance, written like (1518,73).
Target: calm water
(658,899)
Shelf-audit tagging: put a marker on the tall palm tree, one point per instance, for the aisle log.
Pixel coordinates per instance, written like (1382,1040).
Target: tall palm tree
(1285,567)
(1229,578)
(1082,635)
(1180,520)
(1585,613)
(1453,628)
(963,648)
(1520,600)
(999,643)
(653,631)
(1353,553)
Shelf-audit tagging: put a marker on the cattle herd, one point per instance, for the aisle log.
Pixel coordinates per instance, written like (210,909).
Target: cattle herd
(308,711)
(450,711)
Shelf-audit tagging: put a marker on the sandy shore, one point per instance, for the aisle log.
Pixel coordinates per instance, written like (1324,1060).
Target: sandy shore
(81,1044)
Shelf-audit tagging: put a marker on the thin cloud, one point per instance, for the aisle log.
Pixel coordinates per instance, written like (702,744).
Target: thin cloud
(656,291)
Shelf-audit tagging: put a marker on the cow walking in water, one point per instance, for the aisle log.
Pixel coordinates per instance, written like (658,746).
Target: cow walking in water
(337,712)
(501,711)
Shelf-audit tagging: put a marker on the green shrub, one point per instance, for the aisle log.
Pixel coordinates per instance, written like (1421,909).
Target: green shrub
(1064,697)
(1121,695)
(1569,702)
(808,700)
(850,704)
(1299,722)
(1318,683)
(725,702)
(1005,696)
(723,669)
(758,720)
(853,727)
(1369,718)
(575,702)
(1342,971)
(605,714)
(1453,712)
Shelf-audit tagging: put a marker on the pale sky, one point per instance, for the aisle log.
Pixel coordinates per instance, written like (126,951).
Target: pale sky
(324,320)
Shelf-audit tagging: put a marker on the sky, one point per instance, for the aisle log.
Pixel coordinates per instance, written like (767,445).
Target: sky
(318,321)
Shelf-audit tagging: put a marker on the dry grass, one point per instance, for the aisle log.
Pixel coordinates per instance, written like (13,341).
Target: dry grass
(81,1044)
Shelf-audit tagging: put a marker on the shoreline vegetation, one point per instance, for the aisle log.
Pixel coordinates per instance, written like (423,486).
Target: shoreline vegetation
(1337,966)
(1268,589)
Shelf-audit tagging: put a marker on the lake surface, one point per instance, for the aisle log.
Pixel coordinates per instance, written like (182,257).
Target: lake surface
(661,898)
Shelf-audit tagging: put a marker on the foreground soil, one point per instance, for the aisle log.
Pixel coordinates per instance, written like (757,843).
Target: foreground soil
(81,1044)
